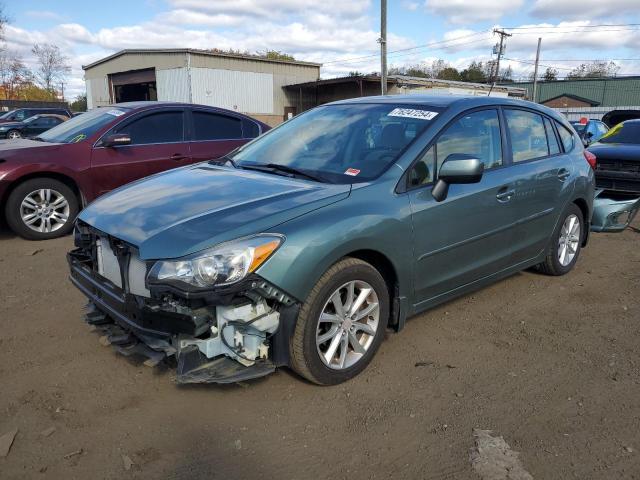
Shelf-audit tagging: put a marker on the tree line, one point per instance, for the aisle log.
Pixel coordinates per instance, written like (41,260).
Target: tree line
(484,72)
(44,80)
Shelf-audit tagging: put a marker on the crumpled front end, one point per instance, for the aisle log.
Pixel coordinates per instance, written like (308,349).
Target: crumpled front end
(613,211)
(227,335)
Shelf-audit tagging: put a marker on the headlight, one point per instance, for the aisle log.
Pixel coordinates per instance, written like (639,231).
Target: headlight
(224,264)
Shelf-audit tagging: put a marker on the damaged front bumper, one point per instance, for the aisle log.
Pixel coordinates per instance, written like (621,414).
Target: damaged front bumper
(237,335)
(613,211)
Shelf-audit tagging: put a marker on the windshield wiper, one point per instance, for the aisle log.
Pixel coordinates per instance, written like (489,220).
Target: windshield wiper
(224,159)
(37,139)
(295,171)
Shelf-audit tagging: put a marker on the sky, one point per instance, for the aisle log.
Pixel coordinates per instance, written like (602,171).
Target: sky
(341,34)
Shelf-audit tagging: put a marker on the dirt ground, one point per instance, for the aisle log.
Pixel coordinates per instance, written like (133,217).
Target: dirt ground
(550,364)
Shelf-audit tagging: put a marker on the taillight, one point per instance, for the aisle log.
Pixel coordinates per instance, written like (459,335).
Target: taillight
(591,158)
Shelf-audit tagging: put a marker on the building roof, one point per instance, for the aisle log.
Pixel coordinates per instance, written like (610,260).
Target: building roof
(409,81)
(193,51)
(593,103)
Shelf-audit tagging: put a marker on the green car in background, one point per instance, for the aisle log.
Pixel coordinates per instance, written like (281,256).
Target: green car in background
(302,247)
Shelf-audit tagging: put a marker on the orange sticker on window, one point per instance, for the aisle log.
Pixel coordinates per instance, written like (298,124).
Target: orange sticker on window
(352,171)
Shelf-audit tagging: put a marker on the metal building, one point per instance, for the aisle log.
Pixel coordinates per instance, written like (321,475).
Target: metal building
(586,92)
(247,84)
(310,94)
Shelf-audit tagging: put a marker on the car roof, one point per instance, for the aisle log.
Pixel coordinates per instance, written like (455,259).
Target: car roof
(461,102)
(53,115)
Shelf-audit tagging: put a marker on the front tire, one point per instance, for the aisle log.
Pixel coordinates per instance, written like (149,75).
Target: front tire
(13,134)
(566,243)
(341,324)
(41,208)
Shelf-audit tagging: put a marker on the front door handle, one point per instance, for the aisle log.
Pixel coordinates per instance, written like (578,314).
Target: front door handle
(563,174)
(505,196)
(178,156)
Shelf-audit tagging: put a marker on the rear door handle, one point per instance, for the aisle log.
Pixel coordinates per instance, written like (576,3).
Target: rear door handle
(178,156)
(505,196)
(563,174)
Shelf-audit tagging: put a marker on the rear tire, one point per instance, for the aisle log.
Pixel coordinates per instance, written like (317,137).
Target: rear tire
(339,346)
(41,208)
(565,244)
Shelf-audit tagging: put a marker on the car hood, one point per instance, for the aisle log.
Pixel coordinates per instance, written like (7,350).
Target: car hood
(19,144)
(11,124)
(186,210)
(615,151)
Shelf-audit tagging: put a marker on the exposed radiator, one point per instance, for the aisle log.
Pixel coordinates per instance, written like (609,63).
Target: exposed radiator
(109,268)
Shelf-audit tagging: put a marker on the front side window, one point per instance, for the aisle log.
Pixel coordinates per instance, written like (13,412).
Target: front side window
(161,127)
(344,143)
(528,135)
(476,134)
(212,126)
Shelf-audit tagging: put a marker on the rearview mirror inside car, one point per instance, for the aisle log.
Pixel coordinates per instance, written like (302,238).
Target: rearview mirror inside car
(457,168)
(116,139)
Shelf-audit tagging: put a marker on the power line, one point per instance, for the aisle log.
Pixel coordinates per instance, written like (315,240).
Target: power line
(426,45)
(531,27)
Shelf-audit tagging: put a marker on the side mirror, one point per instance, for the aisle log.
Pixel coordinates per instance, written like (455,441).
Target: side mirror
(116,139)
(457,168)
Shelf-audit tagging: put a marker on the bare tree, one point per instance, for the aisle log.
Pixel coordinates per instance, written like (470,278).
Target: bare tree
(13,74)
(3,21)
(52,65)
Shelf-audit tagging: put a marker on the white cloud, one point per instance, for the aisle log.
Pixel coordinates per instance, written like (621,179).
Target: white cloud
(467,12)
(271,8)
(578,9)
(412,6)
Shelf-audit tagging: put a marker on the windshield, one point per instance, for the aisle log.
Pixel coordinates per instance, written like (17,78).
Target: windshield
(78,128)
(345,143)
(31,119)
(7,115)
(579,127)
(627,132)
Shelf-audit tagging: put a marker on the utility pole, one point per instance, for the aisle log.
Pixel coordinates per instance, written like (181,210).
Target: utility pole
(62,87)
(535,72)
(500,51)
(383,46)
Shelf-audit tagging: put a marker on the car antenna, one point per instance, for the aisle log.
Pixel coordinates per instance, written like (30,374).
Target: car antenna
(491,89)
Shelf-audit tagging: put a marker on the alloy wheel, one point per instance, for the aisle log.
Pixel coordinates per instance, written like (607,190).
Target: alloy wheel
(569,240)
(44,210)
(347,325)
(14,134)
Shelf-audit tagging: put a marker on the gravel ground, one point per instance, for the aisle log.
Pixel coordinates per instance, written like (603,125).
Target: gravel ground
(550,365)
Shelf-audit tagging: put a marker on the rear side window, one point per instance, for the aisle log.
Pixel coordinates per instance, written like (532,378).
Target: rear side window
(554,146)
(211,126)
(162,127)
(250,129)
(528,135)
(566,137)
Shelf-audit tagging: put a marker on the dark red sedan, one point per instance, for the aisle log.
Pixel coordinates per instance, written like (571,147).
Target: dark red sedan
(45,181)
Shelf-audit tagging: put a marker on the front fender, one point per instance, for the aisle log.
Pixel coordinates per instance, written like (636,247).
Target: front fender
(372,219)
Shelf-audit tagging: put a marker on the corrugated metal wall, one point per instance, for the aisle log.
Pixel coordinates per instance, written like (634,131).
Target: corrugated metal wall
(591,112)
(97,92)
(242,91)
(173,85)
(611,92)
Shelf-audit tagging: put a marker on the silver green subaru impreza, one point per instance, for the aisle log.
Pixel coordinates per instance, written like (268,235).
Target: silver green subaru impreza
(302,247)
